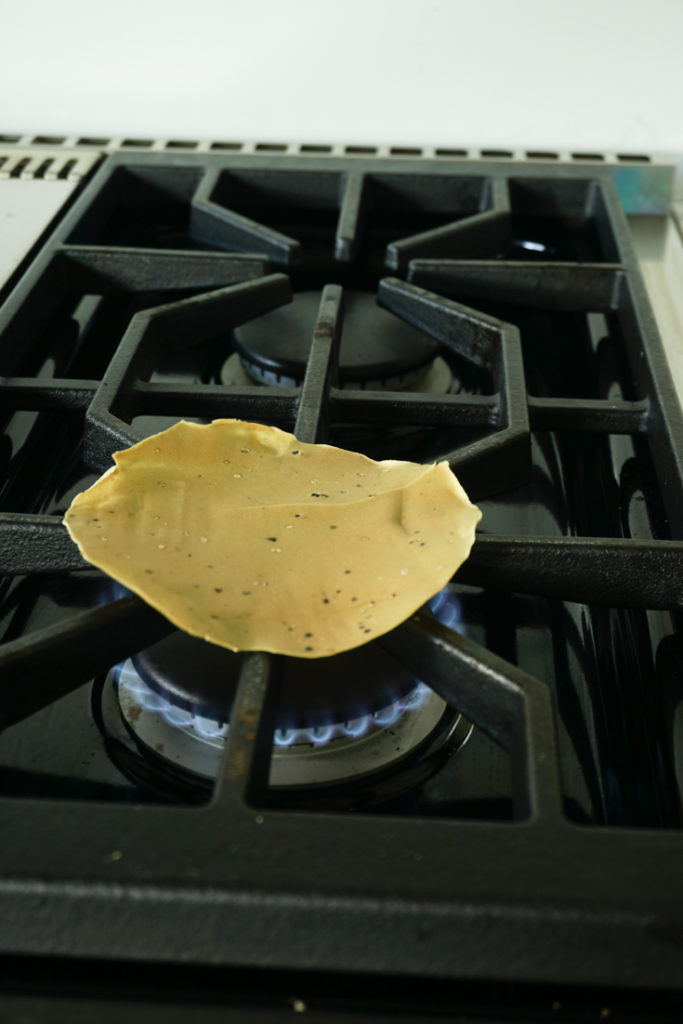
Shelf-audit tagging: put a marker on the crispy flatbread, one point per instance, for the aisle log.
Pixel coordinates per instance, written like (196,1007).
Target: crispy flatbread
(242,535)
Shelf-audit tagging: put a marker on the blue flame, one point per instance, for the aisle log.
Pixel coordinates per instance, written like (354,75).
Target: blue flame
(354,728)
(112,591)
(446,606)
(320,734)
(317,735)
(209,728)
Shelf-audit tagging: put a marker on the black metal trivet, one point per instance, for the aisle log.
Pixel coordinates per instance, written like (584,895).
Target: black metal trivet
(234,882)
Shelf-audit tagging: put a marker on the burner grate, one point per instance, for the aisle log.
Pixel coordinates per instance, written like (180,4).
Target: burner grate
(538,899)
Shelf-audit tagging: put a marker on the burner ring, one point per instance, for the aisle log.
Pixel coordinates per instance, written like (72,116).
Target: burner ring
(434,379)
(201,678)
(376,346)
(177,749)
(195,745)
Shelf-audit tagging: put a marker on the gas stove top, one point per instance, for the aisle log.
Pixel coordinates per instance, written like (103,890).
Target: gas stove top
(492,791)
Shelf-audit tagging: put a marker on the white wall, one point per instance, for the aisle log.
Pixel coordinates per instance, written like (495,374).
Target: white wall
(584,74)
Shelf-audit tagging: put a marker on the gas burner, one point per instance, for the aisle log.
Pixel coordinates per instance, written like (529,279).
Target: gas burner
(378,351)
(339,719)
(202,678)
(435,379)
(308,757)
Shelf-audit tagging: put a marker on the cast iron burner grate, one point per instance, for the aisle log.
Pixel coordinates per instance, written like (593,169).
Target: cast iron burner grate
(539,899)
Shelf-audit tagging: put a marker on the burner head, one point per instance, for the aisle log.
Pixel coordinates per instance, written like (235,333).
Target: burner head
(357,719)
(377,348)
(202,678)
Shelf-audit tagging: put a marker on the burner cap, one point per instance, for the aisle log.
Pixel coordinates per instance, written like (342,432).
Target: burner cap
(375,345)
(202,678)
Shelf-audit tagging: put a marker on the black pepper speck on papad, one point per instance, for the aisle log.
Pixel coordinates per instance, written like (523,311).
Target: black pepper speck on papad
(242,535)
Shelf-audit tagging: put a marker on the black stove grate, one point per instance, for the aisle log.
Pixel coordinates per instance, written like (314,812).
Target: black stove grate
(238,882)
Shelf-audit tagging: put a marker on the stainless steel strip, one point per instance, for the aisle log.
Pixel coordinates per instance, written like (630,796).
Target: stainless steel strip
(659,248)
(34,185)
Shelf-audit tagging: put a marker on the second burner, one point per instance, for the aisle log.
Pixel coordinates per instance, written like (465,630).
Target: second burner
(377,349)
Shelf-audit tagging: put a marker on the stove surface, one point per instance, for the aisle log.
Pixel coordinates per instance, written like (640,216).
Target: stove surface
(491,791)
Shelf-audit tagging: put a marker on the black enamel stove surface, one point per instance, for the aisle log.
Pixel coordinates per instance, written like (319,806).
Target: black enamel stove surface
(545,845)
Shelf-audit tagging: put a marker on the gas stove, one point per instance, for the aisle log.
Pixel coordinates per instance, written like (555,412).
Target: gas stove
(489,795)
